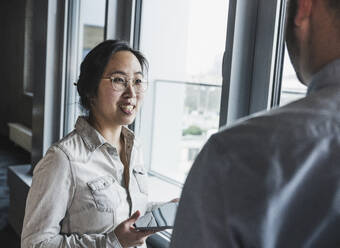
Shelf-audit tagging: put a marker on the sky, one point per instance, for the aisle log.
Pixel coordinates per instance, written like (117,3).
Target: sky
(93,12)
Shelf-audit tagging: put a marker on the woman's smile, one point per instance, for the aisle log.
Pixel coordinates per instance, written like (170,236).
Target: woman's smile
(127,108)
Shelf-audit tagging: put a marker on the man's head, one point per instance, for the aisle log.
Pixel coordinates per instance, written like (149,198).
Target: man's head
(312,35)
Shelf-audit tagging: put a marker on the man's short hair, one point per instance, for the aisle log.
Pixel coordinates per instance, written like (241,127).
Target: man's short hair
(334,4)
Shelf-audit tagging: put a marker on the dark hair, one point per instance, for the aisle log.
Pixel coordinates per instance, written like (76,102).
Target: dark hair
(335,6)
(93,66)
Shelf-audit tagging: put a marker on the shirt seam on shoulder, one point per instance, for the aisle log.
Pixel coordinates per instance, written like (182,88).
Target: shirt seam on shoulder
(72,174)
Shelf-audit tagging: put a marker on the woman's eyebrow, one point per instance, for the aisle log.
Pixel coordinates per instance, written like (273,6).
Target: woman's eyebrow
(119,72)
(139,72)
(125,74)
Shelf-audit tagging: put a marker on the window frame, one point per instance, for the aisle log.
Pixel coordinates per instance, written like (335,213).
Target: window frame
(70,63)
(267,68)
(251,80)
(49,83)
(252,72)
(226,69)
(163,238)
(279,58)
(249,77)
(254,75)
(124,24)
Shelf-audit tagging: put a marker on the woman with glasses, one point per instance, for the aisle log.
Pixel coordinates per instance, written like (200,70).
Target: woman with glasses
(90,187)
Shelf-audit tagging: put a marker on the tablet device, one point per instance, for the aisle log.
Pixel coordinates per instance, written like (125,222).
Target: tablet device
(158,219)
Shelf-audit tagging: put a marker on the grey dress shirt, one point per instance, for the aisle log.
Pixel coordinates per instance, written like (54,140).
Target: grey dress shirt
(272,180)
(78,195)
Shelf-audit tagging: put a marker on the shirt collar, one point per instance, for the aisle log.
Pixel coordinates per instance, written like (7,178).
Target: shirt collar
(328,76)
(92,138)
(128,134)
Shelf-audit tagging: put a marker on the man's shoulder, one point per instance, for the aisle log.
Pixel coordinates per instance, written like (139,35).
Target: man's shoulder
(270,128)
(302,113)
(251,127)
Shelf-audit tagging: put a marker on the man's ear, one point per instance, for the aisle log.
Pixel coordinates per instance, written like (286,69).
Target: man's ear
(304,10)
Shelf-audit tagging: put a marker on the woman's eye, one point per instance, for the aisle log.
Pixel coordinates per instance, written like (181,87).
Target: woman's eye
(138,81)
(118,80)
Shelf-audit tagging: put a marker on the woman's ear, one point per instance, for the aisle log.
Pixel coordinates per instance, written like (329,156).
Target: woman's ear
(91,101)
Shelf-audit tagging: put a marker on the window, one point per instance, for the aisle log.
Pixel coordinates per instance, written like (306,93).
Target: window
(92,22)
(291,89)
(181,108)
(91,31)
(85,32)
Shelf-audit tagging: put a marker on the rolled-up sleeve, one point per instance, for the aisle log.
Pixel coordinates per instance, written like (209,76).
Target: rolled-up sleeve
(50,196)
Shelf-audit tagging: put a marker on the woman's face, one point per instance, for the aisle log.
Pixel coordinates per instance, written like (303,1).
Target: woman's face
(118,107)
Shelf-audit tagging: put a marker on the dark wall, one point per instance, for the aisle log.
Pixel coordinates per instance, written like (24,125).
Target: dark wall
(15,106)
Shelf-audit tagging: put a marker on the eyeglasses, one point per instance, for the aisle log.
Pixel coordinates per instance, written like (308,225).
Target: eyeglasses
(120,83)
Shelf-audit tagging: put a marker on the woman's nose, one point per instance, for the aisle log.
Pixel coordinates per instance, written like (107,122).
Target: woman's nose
(130,90)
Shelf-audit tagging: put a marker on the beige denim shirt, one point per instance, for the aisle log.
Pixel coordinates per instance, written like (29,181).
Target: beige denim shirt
(78,196)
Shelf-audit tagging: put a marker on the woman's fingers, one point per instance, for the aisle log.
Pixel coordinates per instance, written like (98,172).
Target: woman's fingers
(128,236)
(133,218)
(142,233)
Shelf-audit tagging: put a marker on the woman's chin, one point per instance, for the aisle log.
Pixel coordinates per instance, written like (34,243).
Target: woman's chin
(127,120)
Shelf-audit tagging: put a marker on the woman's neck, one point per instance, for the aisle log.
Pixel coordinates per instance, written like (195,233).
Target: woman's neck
(111,133)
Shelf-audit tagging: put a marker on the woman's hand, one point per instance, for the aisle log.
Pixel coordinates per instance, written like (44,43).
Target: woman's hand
(175,200)
(127,235)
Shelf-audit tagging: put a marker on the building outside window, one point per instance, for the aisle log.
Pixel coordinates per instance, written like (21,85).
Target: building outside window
(181,109)
(93,35)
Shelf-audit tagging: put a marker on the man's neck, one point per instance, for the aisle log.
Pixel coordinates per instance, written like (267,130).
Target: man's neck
(325,40)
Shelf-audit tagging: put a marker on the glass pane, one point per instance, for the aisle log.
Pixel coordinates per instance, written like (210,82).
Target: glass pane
(291,89)
(185,115)
(92,24)
(181,107)
(90,32)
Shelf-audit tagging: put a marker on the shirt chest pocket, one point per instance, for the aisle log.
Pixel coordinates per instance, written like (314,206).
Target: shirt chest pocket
(105,193)
(141,178)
